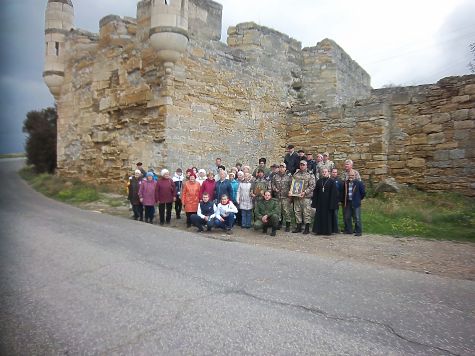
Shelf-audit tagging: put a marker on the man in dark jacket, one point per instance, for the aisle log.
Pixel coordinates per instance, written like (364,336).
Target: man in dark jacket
(267,214)
(311,163)
(354,192)
(133,196)
(291,159)
(223,186)
(205,214)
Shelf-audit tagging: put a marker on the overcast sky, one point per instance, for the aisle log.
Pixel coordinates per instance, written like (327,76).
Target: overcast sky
(403,42)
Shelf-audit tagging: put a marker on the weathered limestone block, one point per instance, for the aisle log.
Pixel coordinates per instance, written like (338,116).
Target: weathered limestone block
(416,162)
(466,124)
(102,136)
(457,154)
(460,115)
(432,128)
(419,139)
(436,138)
(461,99)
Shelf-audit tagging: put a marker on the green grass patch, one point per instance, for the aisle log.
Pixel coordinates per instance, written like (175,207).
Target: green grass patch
(445,215)
(69,191)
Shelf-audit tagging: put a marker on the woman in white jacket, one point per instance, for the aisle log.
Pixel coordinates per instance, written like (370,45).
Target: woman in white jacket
(244,200)
(225,214)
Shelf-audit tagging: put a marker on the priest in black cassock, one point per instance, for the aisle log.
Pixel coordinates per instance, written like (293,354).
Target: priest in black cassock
(325,200)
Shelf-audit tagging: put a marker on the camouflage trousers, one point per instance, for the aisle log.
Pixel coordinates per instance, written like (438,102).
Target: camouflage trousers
(303,210)
(272,222)
(286,210)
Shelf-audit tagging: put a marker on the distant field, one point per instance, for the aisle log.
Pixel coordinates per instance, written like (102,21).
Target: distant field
(12,155)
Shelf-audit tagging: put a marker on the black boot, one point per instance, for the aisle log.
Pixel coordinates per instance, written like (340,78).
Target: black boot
(307,229)
(273,231)
(264,229)
(279,226)
(287,227)
(298,228)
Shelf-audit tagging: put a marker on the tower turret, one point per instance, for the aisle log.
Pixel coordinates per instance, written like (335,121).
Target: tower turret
(59,19)
(169,29)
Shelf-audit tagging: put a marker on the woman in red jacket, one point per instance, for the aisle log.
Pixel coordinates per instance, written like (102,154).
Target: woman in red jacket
(208,186)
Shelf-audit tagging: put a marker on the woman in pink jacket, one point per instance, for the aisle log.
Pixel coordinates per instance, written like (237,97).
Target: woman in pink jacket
(147,197)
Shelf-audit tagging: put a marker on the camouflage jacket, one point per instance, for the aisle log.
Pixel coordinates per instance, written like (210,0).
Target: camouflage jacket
(281,185)
(308,182)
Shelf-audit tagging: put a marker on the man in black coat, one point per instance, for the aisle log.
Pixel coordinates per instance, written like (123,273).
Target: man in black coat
(291,159)
(133,187)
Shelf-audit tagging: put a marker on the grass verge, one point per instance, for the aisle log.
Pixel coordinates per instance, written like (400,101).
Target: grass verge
(69,191)
(445,216)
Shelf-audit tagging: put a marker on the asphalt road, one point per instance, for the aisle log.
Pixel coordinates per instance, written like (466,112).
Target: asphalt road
(77,282)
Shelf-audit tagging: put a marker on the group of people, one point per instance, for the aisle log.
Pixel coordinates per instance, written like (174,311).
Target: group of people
(271,196)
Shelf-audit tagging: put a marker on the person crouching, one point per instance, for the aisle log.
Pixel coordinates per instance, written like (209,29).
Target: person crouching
(225,214)
(205,214)
(267,214)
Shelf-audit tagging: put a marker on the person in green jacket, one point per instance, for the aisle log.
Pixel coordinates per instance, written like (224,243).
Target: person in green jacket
(267,214)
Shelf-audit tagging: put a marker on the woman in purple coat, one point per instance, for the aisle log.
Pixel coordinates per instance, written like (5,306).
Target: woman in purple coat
(147,194)
(166,195)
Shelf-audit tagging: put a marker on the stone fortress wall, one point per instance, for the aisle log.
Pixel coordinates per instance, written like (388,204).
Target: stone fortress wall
(422,136)
(119,104)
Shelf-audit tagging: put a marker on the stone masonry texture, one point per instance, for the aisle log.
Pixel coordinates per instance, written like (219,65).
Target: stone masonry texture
(248,98)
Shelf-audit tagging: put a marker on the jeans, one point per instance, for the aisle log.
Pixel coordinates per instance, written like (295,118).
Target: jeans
(273,221)
(350,213)
(246,217)
(199,222)
(335,228)
(228,222)
(161,212)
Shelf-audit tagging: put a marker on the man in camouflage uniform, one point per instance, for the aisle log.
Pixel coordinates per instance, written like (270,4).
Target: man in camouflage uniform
(325,163)
(259,185)
(267,214)
(280,187)
(303,203)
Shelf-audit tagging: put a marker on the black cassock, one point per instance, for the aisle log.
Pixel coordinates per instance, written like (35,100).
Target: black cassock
(325,200)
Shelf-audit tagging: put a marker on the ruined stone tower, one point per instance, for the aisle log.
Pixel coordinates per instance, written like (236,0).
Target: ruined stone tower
(59,20)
